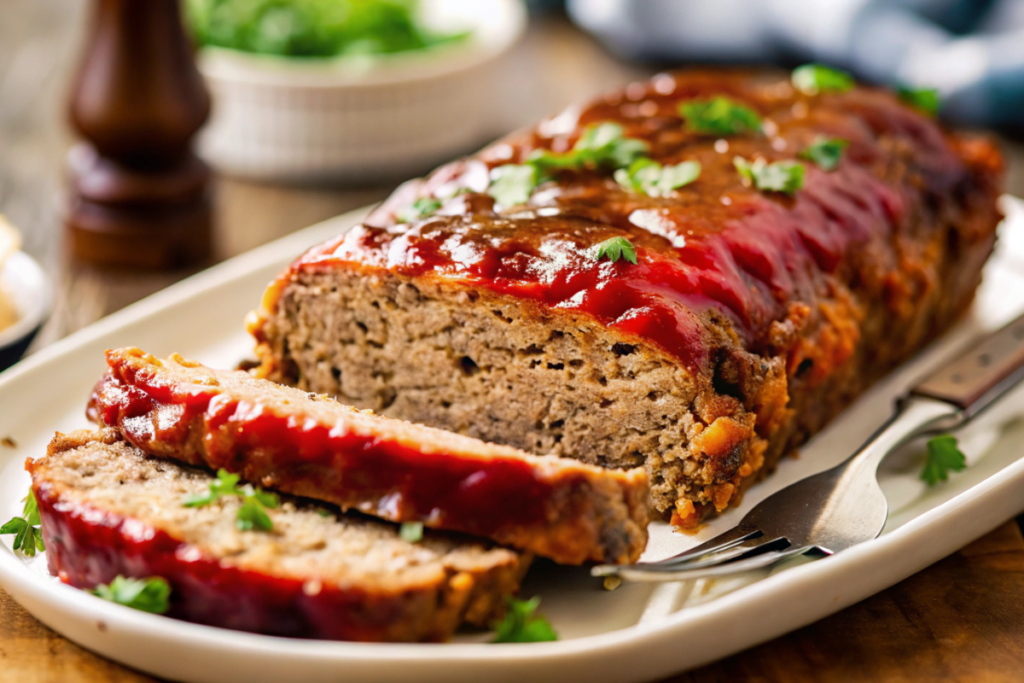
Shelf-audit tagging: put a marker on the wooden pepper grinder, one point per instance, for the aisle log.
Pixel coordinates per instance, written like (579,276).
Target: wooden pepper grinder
(139,195)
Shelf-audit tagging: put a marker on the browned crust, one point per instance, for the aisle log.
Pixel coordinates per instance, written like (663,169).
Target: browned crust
(889,295)
(589,513)
(88,543)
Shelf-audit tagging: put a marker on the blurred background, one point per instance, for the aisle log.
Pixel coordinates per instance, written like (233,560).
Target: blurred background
(323,106)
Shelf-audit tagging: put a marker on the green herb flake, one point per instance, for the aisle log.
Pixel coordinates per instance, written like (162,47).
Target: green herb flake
(719,116)
(251,515)
(512,184)
(811,79)
(944,455)
(599,145)
(615,248)
(411,532)
(825,152)
(653,179)
(521,624)
(925,100)
(421,208)
(780,176)
(147,595)
(28,537)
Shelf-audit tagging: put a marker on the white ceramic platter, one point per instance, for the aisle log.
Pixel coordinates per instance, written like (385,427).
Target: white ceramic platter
(636,633)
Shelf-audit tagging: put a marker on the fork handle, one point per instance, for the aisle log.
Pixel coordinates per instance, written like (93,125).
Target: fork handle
(946,399)
(982,373)
(915,416)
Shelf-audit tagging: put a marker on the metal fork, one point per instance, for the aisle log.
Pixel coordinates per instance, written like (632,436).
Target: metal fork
(844,506)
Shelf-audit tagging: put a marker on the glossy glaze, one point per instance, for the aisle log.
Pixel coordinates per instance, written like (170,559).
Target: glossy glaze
(713,247)
(381,467)
(86,546)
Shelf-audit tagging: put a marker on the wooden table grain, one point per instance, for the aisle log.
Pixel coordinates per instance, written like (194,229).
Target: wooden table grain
(960,619)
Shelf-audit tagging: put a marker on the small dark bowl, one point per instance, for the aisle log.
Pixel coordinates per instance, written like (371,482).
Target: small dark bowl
(29,290)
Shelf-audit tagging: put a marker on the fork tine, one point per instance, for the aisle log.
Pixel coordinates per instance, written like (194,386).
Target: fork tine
(641,573)
(747,547)
(736,550)
(724,541)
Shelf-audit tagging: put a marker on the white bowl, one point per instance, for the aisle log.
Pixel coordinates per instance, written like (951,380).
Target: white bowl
(29,290)
(360,118)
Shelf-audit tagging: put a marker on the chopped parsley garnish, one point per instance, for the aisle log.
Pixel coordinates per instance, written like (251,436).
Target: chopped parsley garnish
(811,79)
(600,145)
(719,116)
(825,152)
(925,100)
(421,208)
(522,625)
(648,176)
(513,184)
(252,514)
(411,532)
(147,595)
(615,248)
(27,536)
(778,176)
(944,455)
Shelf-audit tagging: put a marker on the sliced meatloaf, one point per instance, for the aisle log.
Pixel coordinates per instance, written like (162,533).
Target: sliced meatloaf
(108,509)
(313,446)
(750,318)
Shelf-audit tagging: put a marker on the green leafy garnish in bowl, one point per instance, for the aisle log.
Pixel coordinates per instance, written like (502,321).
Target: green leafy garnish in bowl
(312,28)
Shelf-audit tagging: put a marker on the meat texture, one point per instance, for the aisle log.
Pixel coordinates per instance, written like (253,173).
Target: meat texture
(108,509)
(750,318)
(313,446)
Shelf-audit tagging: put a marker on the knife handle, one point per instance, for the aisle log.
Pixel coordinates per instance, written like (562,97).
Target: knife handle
(981,374)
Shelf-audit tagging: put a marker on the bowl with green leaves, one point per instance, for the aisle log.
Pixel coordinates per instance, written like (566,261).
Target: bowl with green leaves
(349,89)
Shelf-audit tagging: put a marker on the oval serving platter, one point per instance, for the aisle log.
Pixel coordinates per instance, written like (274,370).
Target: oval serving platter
(638,632)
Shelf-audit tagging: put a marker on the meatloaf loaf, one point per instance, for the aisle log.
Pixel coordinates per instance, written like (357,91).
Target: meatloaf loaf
(750,318)
(313,446)
(108,509)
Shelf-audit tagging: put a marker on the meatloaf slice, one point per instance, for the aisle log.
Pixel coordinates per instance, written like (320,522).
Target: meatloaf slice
(749,318)
(313,446)
(108,509)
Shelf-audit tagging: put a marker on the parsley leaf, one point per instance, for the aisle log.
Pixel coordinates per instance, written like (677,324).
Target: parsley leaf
(421,208)
(226,484)
(27,535)
(925,100)
(719,116)
(943,455)
(606,144)
(615,248)
(411,532)
(779,176)
(252,514)
(811,79)
(653,179)
(602,144)
(825,152)
(513,184)
(521,625)
(148,595)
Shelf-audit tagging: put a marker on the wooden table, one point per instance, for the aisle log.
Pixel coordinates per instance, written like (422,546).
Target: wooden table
(961,619)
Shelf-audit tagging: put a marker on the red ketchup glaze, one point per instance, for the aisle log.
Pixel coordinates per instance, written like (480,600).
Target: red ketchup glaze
(493,495)
(714,245)
(86,546)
